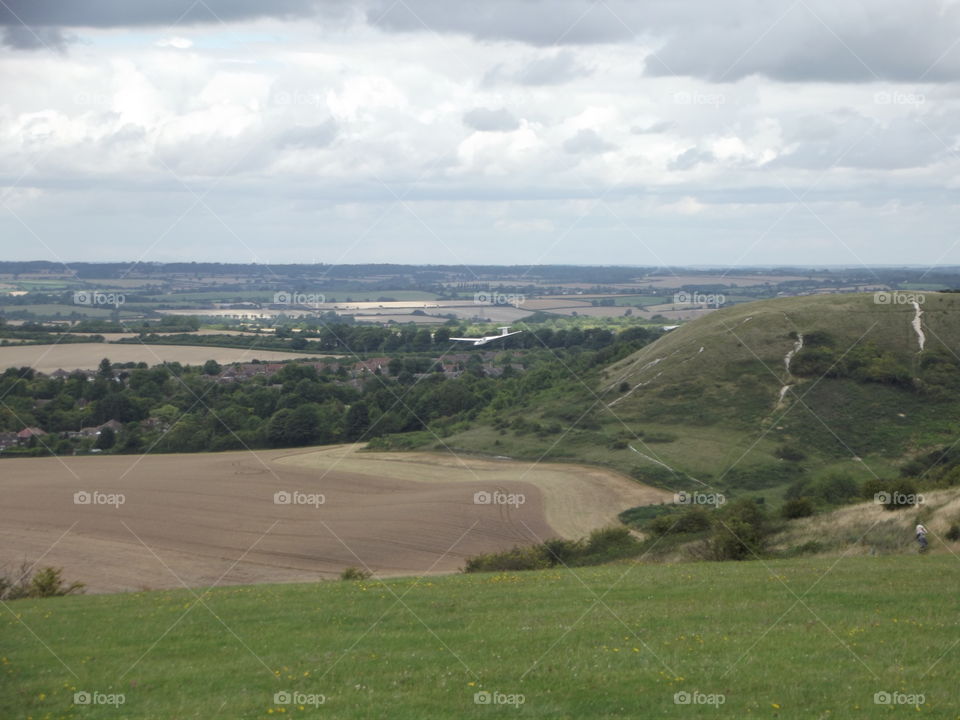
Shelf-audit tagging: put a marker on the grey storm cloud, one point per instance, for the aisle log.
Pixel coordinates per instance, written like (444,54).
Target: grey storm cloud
(814,40)
(23,37)
(537,22)
(123,13)
(587,142)
(36,24)
(486,120)
(818,40)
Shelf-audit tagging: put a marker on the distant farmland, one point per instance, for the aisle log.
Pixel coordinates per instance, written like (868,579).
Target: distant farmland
(86,356)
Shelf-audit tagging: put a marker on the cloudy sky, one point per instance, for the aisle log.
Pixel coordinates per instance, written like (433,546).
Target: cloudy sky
(504,131)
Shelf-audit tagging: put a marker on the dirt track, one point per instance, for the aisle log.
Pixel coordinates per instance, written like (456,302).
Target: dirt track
(201,519)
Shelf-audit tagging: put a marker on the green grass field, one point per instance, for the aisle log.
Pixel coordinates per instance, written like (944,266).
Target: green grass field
(266,296)
(805,638)
(63,312)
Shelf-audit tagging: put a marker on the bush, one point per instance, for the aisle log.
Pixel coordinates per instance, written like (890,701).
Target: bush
(953,534)
(642,514)
(872,486)
(790,452)
(531,558)
(562,551)
(814,361)
(818,338)
(601,546)
(797,508)
(691,520)
(896,494)
(354,573)
(43,583)
(833,489)
(606,544)
(740,531)
(733,540)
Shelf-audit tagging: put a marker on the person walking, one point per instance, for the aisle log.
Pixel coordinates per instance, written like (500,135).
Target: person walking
(922,536)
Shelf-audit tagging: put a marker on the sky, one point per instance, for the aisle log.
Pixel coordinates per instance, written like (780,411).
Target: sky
(665,132)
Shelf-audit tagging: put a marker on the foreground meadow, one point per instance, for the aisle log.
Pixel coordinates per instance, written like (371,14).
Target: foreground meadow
(806,638)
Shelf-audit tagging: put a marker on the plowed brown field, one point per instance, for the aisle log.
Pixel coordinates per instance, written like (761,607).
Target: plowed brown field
(194,520)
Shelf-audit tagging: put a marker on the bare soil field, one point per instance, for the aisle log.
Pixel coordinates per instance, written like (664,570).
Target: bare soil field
(192,520)
(86,356)
(111,336)
(400,318)
(551,303)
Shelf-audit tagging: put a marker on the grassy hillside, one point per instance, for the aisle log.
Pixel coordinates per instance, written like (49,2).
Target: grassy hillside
(810,638)
(857,386)
(713,402)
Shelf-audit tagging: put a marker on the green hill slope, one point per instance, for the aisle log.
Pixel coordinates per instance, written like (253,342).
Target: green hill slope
(757,395)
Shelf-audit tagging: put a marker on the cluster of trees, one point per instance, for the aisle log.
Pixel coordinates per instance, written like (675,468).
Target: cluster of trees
(735,531)
(175,408)
(937,371)
(603,545)
(91,329)
(371,339)
(374,339)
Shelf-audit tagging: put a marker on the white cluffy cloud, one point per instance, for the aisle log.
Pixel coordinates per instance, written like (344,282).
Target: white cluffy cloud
(534,131)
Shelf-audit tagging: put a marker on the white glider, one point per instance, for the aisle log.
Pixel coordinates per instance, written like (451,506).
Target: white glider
(504,332)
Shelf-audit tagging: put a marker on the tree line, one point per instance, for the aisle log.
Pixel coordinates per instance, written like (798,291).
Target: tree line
(176,408)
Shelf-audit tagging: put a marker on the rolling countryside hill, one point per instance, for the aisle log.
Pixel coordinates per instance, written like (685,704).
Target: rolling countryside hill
(755,398)
(756,395)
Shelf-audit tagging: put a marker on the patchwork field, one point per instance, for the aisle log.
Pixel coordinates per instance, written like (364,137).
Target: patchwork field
(190,520)
(86,356)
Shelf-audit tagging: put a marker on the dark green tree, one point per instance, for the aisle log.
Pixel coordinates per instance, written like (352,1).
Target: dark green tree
(106,369)
(106,439)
